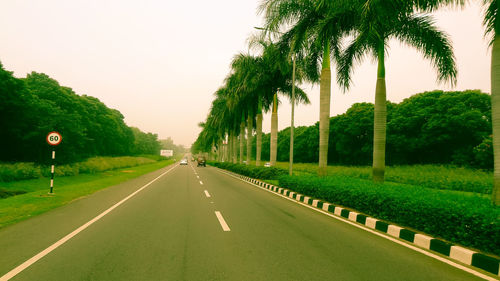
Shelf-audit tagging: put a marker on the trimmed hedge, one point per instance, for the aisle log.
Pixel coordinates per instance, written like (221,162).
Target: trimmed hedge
(460,218)
(468,220)
(265,173)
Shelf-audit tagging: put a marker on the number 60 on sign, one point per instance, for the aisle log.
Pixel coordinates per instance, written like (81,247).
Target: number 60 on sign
(54,138)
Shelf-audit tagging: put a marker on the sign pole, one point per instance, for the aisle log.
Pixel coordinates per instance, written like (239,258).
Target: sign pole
(53,139)
(52,170)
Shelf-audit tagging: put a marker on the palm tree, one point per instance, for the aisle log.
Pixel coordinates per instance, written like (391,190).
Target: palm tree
(250,88)
(245,69)
(217,124)
(492,24)
(319,25)
(277,79)
(259,80)
(380,21)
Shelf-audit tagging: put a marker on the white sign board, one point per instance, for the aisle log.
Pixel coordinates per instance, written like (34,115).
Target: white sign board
(166,153)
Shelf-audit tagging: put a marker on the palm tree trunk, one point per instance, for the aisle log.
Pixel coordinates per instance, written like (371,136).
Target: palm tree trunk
(290,168)
(219,151)
(230,143)
(379,121)
(235,148)
(259,140)
(224,149)
(249,138)
(242,140)
(324,111)
(228,148)
(274,131)
(495,116)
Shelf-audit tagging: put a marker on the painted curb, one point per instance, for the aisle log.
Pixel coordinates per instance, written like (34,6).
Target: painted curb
(457,253)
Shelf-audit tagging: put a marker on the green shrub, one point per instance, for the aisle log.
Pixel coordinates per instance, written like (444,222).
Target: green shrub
(66,170)
(24,171)
(265,173)
(483,154)
(154,157)
(4,193)
(19,171)
(468,220)
(101,164)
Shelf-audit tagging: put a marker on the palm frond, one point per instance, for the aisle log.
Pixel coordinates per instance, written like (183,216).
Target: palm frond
(491,20)
(353,54)
(419,31)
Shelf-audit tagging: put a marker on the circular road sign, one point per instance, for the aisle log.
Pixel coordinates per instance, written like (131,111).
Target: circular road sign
(54,138)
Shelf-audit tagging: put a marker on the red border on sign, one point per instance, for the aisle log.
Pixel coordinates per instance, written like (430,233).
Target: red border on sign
(54,144)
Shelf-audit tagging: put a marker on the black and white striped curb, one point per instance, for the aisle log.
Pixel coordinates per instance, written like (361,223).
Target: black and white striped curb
(463,255)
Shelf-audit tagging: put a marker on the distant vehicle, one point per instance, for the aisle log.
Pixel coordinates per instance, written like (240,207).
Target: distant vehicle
(201,161)
(267,164)
(184,161)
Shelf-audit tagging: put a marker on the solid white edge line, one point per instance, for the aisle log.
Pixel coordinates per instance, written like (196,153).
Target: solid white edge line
(207,194)
(54,246)
(432,255)
(222,222)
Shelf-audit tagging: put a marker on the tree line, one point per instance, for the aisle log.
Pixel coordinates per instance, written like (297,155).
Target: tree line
(32,107)
(306,37)
(453,128)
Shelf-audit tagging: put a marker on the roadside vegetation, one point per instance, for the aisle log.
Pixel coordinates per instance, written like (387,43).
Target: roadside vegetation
(33,106)
(322,43)
(438,146)
(466,218)
(24,171)
(31,196)
(96,145)
(14,177)
(430,176)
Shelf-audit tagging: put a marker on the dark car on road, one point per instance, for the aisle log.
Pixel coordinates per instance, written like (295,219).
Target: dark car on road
(201,161)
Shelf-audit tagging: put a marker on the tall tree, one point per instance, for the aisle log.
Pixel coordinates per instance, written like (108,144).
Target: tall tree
(318,25)
(258,81)
(492,23)
(380,21)
(276,78)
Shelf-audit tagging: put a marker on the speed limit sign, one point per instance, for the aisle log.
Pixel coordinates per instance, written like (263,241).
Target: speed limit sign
(54,138)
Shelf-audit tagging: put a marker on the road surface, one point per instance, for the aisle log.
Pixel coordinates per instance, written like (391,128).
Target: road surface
(200,224)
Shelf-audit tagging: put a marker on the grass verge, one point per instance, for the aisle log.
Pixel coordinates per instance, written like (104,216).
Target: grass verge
(430,176)
(23,171)
(36,200)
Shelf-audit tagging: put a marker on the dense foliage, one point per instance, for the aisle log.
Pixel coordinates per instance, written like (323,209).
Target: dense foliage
(32,107)
(429,128)
(268,173)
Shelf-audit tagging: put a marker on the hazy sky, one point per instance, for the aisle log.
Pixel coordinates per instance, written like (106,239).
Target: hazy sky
(159,62)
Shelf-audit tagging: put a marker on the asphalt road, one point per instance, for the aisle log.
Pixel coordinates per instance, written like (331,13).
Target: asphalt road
(200,224)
